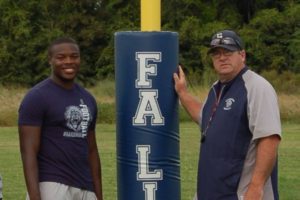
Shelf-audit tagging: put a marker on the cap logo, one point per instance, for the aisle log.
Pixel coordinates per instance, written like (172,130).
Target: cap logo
(219,35)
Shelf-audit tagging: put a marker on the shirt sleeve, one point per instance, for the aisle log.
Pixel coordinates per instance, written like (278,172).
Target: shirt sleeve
(32,109)
(263,109)
(92,126)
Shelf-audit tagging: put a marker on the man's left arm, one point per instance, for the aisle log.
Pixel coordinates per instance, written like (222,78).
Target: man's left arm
(266,157)
(95,164)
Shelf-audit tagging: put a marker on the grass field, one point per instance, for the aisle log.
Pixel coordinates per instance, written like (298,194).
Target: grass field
(289,161)
(104,92)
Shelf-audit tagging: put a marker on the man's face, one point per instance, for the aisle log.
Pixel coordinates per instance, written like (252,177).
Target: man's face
(65,61)
(228,63)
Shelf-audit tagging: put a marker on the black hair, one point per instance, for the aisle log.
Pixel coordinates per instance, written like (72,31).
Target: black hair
(60,40)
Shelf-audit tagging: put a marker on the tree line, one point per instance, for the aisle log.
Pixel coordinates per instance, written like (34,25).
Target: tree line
(270,30)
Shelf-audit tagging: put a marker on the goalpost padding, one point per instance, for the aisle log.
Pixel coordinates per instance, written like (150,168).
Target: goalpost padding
(148,163)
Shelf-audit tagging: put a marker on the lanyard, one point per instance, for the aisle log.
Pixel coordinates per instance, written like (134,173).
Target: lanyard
(212,114)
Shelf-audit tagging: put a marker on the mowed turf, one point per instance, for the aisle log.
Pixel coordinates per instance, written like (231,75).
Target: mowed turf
(14,186)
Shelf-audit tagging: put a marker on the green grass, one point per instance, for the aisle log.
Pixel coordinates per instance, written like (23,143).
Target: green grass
(104,92)
(289,161)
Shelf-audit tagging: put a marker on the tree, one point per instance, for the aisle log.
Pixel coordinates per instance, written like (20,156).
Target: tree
(270,29)
(29,26)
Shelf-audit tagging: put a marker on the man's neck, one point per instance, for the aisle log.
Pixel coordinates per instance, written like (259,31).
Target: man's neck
(229,77)
(66,84)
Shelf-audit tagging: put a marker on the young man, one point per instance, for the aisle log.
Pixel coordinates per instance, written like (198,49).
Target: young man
(240,126)
(57,120)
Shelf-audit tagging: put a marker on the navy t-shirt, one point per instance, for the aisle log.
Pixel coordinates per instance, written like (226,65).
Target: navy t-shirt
(65,117)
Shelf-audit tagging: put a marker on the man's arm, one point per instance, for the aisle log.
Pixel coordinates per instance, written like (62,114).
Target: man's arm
(266,157)
(191,105)
(95,164)
(29,146)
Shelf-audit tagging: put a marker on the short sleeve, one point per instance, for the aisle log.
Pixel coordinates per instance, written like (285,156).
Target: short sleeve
(32,109)
(263,109)
(92,126)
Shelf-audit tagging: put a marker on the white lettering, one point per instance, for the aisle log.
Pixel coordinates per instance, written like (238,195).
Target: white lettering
(150,188)
(148,106)
(145,69)
(143,163)
(85,118)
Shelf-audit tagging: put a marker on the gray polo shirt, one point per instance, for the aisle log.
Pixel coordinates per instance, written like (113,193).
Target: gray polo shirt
(235,115)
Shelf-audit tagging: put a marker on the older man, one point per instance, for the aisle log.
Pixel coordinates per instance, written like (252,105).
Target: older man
(240,126)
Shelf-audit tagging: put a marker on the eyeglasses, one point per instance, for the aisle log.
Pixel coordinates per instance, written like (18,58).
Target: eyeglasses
(217,53)
(226,41)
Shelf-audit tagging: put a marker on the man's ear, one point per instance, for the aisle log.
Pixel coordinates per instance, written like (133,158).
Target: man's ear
(243,53)
(49,61)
